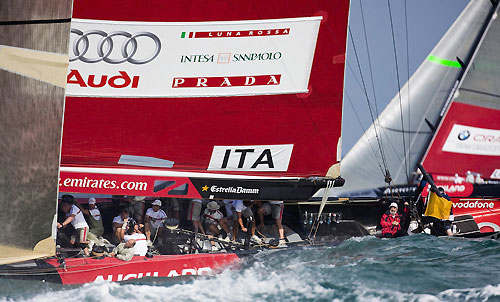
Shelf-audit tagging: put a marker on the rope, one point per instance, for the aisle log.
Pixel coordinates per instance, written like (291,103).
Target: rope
(326,192)
(384,162)
(399,91)
(368,55)
(408,81)
(362,128)
(156,234)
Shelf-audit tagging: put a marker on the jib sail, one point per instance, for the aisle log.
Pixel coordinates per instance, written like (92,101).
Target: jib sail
(180,99)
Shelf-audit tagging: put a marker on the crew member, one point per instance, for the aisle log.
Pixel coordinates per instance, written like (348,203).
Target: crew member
(141,246)
(391,222)
(75,216)
(120,224)
(215,222)
(94,220)
(154,219)
(194,215)
(242,209)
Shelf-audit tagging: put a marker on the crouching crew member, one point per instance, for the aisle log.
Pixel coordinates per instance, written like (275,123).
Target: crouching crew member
(75,216)
(215,222)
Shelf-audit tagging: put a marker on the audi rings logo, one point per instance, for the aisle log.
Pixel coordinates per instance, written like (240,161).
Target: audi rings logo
(465,134)
(105,47)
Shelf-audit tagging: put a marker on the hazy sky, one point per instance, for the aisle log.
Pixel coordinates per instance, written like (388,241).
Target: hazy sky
(428,20)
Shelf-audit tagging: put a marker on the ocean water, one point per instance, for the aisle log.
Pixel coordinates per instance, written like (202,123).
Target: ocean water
(416,268)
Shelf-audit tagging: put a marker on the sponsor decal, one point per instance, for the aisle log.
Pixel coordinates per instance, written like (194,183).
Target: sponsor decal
(488,226)
(143,185)
(474,205)
(236,33)
(265,56)
(400,190)
(251,158)
(272,79)
(92,183)
(123,277)
(172,273)
(453,189)
(233,190)
(122,80)
(463,135)
(197,58)
(495,174)
(473,140)
(224,58)
(130,49)
(152,59)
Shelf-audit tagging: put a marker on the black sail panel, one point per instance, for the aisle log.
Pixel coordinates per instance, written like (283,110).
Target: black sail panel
(33,44)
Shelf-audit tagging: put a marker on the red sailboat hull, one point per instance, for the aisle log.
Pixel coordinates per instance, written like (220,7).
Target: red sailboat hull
(86,270)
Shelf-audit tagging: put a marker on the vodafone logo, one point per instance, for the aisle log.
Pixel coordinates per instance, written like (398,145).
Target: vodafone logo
(474,205)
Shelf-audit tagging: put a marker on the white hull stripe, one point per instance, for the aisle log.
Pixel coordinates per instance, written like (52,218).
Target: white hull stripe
(143,172)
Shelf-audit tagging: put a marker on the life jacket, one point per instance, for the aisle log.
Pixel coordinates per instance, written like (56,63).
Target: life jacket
(386,223)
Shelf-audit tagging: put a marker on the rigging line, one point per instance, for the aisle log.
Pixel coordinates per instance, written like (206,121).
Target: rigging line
(368,102)
(363,129)
(408,81)
(399,91)
(369,57)
(29,22)
(376,120)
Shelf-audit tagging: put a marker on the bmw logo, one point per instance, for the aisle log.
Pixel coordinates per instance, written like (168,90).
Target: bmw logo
(464,135)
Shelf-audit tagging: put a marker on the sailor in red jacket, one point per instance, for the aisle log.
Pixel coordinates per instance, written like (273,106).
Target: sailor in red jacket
(391,222)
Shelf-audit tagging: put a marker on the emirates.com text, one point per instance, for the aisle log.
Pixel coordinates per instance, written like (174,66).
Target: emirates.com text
(103,184)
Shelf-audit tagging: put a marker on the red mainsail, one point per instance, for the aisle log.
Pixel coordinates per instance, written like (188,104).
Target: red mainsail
(176,90)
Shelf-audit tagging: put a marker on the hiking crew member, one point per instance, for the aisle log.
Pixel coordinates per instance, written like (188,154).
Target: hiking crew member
(194,215)
(141,246)
(154,220)
(274,208)
(242,209)
(120,224)
(136,208)
(124,251)
(94,220)
(391,222)
(214,222)
(75,216)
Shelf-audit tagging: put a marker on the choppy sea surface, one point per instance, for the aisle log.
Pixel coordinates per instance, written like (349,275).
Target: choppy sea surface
(416,268)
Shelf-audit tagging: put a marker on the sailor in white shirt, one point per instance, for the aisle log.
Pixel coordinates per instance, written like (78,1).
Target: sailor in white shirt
(141,246)
(120,225)
(94,220)
(154,220)
(75,216)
